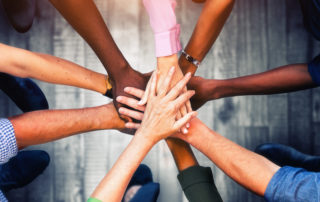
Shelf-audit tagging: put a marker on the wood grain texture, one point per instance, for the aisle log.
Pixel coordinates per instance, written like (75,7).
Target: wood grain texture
(259,35)
(299,102)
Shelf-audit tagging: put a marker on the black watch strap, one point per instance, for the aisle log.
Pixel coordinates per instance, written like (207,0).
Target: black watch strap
(189,58)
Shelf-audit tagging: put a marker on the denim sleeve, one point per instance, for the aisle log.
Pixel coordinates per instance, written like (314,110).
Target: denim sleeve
(8,143)
(314,70)
(293,184)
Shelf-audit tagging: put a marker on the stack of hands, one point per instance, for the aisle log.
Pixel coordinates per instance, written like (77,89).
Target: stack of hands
(159,118)
(166,111)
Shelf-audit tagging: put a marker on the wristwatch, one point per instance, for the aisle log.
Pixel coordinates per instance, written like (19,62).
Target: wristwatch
(189,58)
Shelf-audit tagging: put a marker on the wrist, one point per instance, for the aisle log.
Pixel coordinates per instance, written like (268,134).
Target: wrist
(166,62)
(119,70)
(186,66)
(109,118)
(218,89)
(145,137)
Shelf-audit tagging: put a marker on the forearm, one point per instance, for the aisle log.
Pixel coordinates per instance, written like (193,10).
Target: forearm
(182,154)
(163,66)
(209,25)
(85,18)
(245,167)
(50,69)
(48,125)
(114,184)
(280,80)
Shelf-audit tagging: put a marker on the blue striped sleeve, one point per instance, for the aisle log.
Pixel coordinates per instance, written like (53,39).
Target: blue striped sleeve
(8,143)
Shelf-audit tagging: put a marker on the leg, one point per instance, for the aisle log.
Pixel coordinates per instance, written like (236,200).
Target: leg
(141,186)
(20,13)
(23,92)
(283,155)
(23,169)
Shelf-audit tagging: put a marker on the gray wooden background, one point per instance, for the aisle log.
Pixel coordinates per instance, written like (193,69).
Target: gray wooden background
(259,35)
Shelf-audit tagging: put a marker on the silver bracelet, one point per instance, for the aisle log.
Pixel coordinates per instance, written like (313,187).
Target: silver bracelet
(189,58)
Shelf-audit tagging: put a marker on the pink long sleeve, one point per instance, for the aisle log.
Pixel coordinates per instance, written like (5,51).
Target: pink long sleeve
(164,25)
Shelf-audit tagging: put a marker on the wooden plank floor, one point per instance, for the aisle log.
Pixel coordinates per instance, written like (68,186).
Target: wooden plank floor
(259,35)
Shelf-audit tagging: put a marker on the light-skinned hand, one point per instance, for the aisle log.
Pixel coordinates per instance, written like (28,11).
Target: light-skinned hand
(163,64)
(159,117)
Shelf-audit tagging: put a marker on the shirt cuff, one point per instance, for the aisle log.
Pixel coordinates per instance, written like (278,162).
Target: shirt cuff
(8,143)
(168,43)
(93,200)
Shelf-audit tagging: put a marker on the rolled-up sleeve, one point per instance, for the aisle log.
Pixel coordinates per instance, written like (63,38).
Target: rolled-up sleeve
(293,184)
(164,25)
(8,143)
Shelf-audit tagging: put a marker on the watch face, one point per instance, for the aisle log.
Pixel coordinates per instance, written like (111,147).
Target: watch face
(189,58)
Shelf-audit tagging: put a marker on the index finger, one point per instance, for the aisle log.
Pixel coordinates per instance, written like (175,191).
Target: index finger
(134,91)
(177,89)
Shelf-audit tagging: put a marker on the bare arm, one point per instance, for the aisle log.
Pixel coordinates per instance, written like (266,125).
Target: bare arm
(249,169)
(48,125)
(245,167)
(50,69)
(279,80)
(158,122)
(210,23)
(85,18)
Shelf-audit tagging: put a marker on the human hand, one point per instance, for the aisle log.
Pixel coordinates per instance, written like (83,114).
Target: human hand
(205,90)
(163,66)
(115,122)
(129,78)
(160,112)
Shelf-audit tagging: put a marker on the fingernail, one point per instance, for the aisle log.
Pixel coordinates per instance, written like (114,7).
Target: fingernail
(188,125)
(185,131)
(118,98)
(188,74)
(140,102)
(126,89)
(172,69)
(120,110)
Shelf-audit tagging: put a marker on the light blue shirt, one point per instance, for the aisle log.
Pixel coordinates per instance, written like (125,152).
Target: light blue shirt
(2,197)
(8,146)
(293,184)
(8,143)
